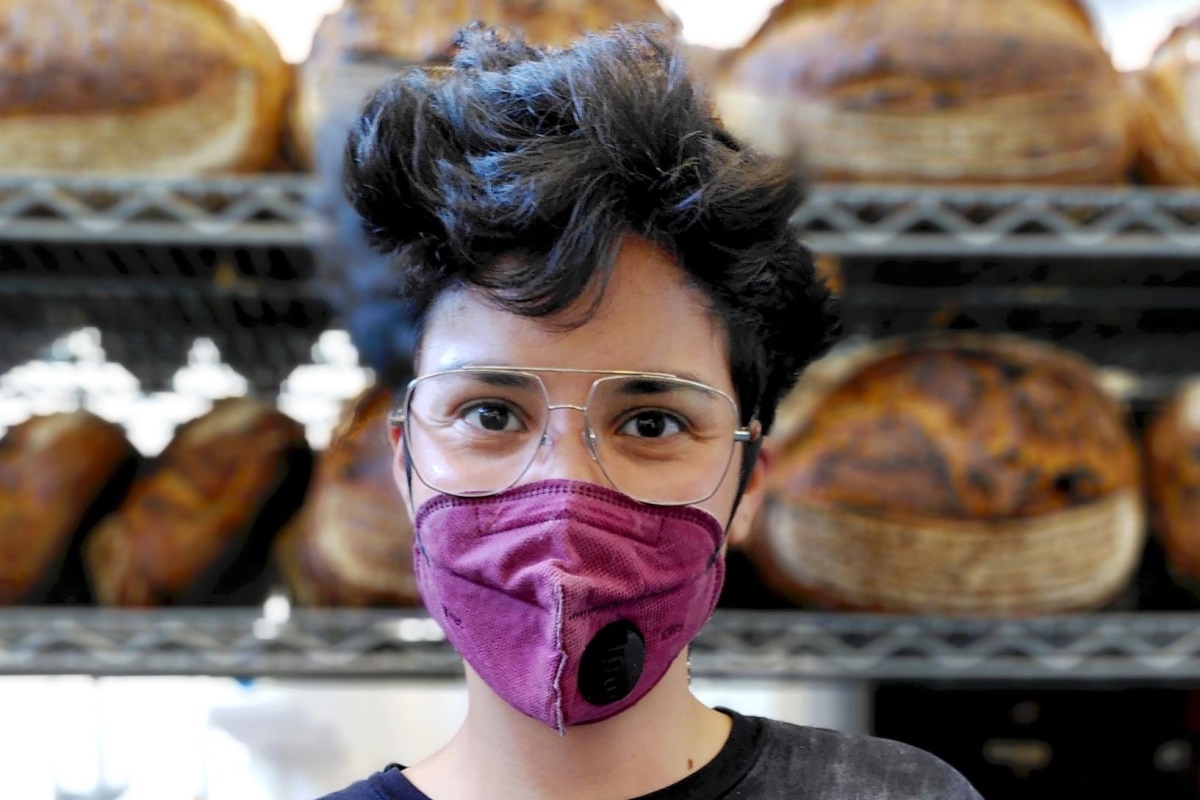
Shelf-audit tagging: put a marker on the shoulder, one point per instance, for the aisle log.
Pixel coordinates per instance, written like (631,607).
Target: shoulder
(368,789)
(842,766)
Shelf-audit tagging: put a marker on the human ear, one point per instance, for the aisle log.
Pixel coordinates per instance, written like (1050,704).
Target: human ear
(752,500)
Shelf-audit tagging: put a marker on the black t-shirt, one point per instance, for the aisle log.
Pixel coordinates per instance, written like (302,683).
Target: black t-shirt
(767,760)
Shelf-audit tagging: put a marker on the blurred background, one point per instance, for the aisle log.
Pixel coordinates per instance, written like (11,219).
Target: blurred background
(983,531)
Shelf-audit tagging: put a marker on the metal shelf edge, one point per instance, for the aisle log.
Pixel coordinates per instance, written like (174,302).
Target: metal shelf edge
(768,645)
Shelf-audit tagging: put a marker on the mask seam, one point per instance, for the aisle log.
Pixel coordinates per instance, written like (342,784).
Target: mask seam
(534,604)
(588,490)
(600,525)
(562,660)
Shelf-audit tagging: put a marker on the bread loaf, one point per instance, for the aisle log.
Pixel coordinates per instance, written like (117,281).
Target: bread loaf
(198,528)
(172,87)
(352,545)
(961,432)
(360,45)
(58,474)
(1169,119)
(953,474)
(1173,480)
(948,91)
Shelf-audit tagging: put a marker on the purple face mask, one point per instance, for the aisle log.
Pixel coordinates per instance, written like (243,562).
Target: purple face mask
(569,599)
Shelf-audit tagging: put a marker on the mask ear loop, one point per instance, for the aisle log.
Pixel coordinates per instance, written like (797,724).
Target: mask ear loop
(408,476)
(749,458)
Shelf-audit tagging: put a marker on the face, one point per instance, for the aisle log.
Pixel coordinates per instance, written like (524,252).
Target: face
(650,319)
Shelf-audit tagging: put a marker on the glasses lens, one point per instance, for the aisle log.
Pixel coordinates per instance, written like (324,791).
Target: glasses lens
(474,432)
(662,440)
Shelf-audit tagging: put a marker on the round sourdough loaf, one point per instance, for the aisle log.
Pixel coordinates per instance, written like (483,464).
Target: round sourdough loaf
(197,527)
(946,91)
(170,87)
(357,47)
(1173,480)
(352,543)
(1169,119)
(958,474)
(59,474)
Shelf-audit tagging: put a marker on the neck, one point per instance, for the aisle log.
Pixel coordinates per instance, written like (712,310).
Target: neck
(502,754)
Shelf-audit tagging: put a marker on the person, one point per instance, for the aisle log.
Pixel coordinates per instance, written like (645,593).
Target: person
(605,303)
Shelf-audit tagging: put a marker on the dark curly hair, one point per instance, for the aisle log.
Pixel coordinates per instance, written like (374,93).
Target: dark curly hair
(553,156)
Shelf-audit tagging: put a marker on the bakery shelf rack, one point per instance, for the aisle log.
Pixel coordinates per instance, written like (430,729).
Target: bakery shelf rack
(154,264)
(836,219)
(247,212)
(1146,648)
(924,221)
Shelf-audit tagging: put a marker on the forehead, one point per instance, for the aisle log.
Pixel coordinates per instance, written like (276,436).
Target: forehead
(650,318)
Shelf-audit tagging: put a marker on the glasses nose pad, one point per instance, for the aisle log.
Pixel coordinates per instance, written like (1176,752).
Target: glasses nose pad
(590,442)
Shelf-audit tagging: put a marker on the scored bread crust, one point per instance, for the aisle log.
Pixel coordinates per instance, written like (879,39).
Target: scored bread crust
(961,427)
(358,46)
(352,543)
(961,474)
(198,526)
(1168,91)
(413,31)
(171,87)
(53,469)
(1173,479)
(957,91)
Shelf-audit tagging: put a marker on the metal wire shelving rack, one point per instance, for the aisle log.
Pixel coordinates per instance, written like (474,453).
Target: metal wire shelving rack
(154,265)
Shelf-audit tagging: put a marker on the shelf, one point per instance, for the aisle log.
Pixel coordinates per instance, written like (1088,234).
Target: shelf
(835,219)
(255,211)
(853,220)
(156,265)
(780,645)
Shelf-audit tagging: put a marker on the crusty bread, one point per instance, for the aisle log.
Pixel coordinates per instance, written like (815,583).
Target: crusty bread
(172,87)
(951,91)
(960,431)
(1173,481)
(952,474)
(705,62)
(198,528)
(362,43)
(58,474)
(415,31)
(352,544)
(1168,122)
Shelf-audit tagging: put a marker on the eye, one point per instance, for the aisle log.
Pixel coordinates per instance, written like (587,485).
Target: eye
(492,416)
(652,424)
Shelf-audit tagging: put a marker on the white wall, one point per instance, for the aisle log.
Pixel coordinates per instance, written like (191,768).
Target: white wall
(213,739)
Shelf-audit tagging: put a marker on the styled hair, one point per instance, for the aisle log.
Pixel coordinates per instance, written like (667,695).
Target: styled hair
(517,170)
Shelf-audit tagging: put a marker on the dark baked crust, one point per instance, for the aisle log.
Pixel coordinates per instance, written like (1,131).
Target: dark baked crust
(963,431)
(881,53)
(411,31)
(1173,480)
(58,474)
(947,90)
(79,81)
(359,46)
(66,57)
(352,546)
(198,527)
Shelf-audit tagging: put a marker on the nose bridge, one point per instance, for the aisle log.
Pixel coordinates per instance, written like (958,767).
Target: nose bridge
(563,455)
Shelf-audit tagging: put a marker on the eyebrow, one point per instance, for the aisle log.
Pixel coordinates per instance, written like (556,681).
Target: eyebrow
(502,378)
(637,387)
(469,364)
